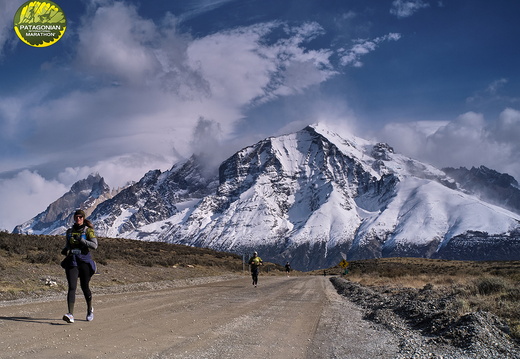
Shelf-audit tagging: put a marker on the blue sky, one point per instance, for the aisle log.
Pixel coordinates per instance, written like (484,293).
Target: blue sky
(136,85)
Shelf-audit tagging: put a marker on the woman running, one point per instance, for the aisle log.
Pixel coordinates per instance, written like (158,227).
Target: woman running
(255,262)
(78,263)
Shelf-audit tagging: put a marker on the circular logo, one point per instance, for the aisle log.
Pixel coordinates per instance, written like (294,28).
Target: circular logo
(40,23)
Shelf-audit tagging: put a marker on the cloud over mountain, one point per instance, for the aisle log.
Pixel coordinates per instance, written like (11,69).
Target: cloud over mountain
(129,82)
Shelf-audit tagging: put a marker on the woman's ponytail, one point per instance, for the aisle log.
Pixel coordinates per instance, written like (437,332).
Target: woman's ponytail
(88,223)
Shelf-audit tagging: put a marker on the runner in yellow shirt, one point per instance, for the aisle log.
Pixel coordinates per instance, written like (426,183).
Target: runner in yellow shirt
(255,262)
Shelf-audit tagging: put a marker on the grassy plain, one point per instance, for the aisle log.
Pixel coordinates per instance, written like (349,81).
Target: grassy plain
(30,266)
(491,286)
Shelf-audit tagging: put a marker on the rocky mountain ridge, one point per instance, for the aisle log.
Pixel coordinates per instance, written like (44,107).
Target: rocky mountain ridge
(85,194)
(489,185)
(311,198)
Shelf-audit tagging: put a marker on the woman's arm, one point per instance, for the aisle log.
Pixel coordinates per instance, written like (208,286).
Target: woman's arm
(65,249)
(91,241)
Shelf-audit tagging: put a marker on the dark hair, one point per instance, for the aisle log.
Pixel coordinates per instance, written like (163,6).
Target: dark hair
(88,223)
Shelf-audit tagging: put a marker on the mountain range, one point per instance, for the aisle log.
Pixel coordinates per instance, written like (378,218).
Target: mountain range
(312,198)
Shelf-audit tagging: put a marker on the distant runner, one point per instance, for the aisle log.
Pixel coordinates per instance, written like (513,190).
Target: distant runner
(255,262)
(287,268)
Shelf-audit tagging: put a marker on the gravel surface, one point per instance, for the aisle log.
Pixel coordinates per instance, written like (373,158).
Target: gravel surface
(308,317)
(427,324)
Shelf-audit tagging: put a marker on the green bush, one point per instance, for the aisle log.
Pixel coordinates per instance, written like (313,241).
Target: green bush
(491,285)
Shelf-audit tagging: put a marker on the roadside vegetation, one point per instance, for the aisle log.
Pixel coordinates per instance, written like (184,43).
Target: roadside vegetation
(30,264)
(490,286)
(46,250)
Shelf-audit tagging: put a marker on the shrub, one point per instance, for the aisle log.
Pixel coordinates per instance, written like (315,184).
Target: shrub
(490,285)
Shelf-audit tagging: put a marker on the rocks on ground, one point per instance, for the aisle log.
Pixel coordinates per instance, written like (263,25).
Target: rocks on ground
(429,324)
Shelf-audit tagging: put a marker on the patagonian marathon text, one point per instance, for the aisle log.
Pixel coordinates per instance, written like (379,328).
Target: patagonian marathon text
(40,27)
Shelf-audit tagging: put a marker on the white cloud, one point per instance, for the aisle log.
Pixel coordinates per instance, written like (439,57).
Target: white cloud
(10,111)
(409,137)
(496,85)
(24,196)
(197,7)
(117,171)
(406,8)
(114,42)
(27,193)
(240,68)
(139,88)
(491,93)
(231,64)
(507,129)
(362,47)
(8,38)
(468,140)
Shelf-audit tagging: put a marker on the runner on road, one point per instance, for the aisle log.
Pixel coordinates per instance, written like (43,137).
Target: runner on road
(255,262)
(78,262)
(287,268)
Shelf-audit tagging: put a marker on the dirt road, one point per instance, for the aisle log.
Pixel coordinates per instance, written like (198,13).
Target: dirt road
(296,317)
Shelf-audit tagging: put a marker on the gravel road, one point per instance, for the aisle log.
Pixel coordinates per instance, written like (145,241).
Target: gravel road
(284,317)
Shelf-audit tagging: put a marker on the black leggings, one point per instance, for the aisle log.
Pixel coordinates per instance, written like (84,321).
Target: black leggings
(82,271)
(254,275)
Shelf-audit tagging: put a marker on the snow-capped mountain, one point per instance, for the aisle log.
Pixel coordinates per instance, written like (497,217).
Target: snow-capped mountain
(312,197)
(489,185)
(155,198)
(309,196)
(85,194)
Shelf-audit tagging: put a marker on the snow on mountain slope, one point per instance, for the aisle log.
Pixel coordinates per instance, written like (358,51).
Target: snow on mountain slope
(309,196)
(489,185)
(427,214)
(155,198)
(86,194)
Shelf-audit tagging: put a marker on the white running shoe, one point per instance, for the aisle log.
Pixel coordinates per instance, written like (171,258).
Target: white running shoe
(90,315)
(69,318)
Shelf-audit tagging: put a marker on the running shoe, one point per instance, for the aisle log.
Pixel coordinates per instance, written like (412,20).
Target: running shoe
(69,318)
(90,315)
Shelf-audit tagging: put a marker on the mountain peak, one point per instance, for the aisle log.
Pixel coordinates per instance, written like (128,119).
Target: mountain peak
(308,196)
(85,194)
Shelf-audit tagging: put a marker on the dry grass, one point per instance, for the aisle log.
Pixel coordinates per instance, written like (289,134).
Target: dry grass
(28,263)
(489,286)
(46,250)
